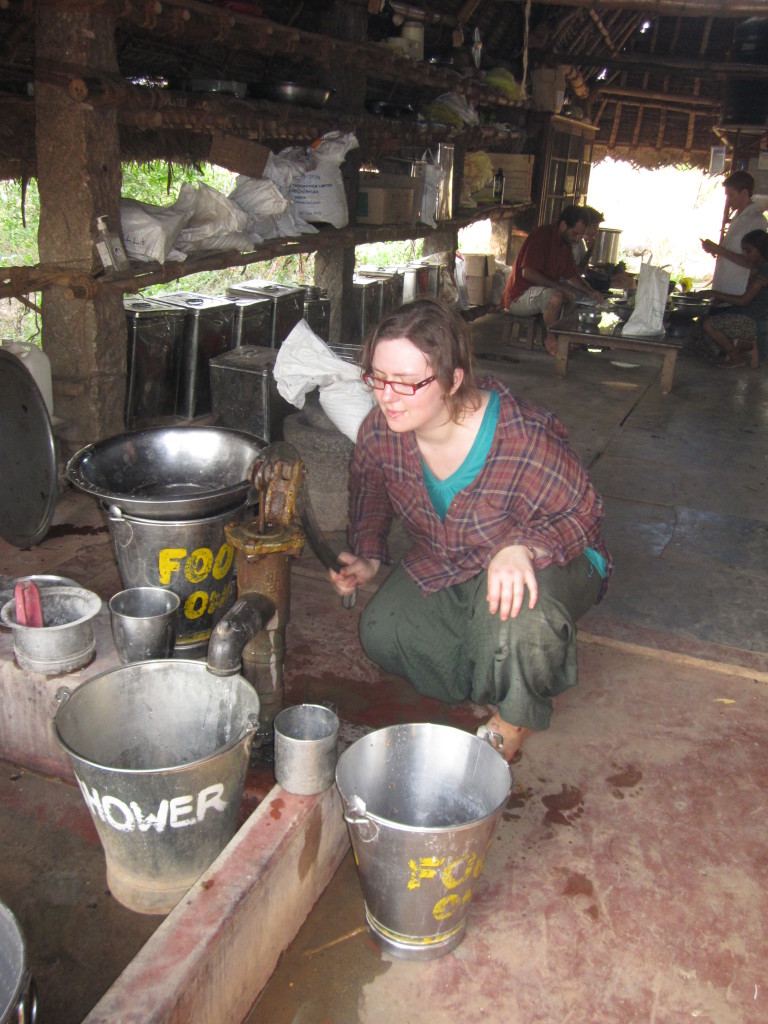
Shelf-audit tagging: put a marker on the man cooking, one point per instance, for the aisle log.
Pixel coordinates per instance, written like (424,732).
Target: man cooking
(731,266)
(544,276)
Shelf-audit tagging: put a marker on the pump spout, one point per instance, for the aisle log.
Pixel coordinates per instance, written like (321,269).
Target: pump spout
(241,623)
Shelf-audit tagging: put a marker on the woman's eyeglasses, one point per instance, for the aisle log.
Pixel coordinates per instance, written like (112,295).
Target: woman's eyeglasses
(398,386)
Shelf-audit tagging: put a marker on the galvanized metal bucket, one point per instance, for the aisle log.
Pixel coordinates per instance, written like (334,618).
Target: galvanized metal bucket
(65,641)
(190,557)
(306,748)
(422,803)
(160,751)
(18,998)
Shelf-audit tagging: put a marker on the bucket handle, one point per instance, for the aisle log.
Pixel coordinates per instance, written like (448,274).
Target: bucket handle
(122,531)
(356,816)
(249,731)
(496,740)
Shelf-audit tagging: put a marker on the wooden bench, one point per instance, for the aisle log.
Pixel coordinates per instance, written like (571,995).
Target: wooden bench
(568,332)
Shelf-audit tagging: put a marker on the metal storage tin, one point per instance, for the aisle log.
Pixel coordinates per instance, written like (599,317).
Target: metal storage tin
(244,394)
(287,304)
(391,294)
(155,338)
(420,280)
(366,292)
(252,323)
(317,313)
(207,333)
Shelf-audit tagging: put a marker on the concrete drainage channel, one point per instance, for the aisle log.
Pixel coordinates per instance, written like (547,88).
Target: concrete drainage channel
(214,952)
(210,958)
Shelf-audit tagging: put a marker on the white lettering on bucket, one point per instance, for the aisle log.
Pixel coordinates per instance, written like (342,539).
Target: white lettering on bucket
(157,821)
(210,797)
(126,822)
(178,812)
(181,806)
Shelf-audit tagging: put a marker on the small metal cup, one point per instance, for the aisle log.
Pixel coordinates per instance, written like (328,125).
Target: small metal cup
(306,748)
(144,623)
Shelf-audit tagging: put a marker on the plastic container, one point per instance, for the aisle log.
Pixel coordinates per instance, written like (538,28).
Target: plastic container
(38,364)
(110,248)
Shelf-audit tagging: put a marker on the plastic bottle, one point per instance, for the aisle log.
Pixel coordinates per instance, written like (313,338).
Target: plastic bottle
(37,363)
(110,249)
(498,187)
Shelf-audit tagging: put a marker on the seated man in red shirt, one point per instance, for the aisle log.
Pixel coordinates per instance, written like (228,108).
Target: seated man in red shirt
(545,277)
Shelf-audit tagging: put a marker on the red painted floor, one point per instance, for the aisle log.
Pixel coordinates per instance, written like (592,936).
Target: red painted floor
(628,880)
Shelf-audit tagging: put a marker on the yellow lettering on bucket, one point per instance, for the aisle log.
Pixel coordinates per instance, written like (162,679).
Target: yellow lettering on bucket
(195,604)
(217,599)
(448,905)
(169,562)
(198,565)
(425,867)
(223,561)
(450,878)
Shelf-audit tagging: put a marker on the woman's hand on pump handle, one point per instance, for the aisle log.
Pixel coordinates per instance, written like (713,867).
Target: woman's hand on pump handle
(355,572)
(510,571)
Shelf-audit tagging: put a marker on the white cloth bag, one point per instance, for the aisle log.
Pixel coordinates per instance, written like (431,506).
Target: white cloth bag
(650,302)
(304,362)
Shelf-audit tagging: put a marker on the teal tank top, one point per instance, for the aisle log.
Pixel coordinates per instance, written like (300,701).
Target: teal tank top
(441,492)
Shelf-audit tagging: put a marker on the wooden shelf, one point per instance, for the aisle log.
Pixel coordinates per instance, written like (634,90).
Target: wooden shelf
(19,281)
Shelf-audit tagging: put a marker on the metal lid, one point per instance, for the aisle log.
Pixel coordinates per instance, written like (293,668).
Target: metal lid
(27,456)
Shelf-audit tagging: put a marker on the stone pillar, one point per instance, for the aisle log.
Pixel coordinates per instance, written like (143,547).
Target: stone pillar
(79,176)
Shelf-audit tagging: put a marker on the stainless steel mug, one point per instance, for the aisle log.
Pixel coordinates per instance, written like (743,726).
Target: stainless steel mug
(306,748)
(144,623)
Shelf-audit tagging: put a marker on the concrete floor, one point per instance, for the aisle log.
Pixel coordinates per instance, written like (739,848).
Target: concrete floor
(628,878)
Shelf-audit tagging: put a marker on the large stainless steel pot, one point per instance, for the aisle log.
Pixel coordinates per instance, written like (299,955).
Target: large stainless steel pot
(606,248)
(170,473)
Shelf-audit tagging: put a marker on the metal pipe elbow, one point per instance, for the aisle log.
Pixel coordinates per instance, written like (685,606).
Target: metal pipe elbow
(240,624)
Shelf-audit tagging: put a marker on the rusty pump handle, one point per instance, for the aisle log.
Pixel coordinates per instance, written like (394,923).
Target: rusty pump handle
(280,478)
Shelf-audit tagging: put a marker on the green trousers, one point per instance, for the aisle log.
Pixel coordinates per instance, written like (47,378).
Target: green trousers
(449,646)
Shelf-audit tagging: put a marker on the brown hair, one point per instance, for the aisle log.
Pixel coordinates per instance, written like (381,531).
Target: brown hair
(445,340)
(740,180)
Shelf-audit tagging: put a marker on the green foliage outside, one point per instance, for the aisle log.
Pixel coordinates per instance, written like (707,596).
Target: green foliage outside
(159,184)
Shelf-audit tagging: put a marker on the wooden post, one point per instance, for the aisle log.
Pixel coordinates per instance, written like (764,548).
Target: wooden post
(79,177)
(334,269)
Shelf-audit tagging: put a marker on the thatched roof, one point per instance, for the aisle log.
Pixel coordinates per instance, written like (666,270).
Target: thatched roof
(651,74)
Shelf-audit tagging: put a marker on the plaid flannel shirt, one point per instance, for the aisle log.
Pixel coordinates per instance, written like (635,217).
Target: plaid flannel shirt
(532,490)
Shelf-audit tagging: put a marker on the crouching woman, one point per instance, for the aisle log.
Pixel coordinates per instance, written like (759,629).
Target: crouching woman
(495,502)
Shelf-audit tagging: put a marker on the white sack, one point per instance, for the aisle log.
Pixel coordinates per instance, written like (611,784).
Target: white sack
(319,192)
(259,197)
(150,232)
(650,302)
(304,362)
(215,222)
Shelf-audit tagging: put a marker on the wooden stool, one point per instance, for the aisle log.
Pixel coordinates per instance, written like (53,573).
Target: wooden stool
(523,329)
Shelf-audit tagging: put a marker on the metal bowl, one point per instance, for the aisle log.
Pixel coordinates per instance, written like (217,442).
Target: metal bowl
(622,309)
(589,317)
(168,472)
(291,92)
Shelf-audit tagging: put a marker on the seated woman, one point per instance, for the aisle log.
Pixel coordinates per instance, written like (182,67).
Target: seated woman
(495,501)
(737,333)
